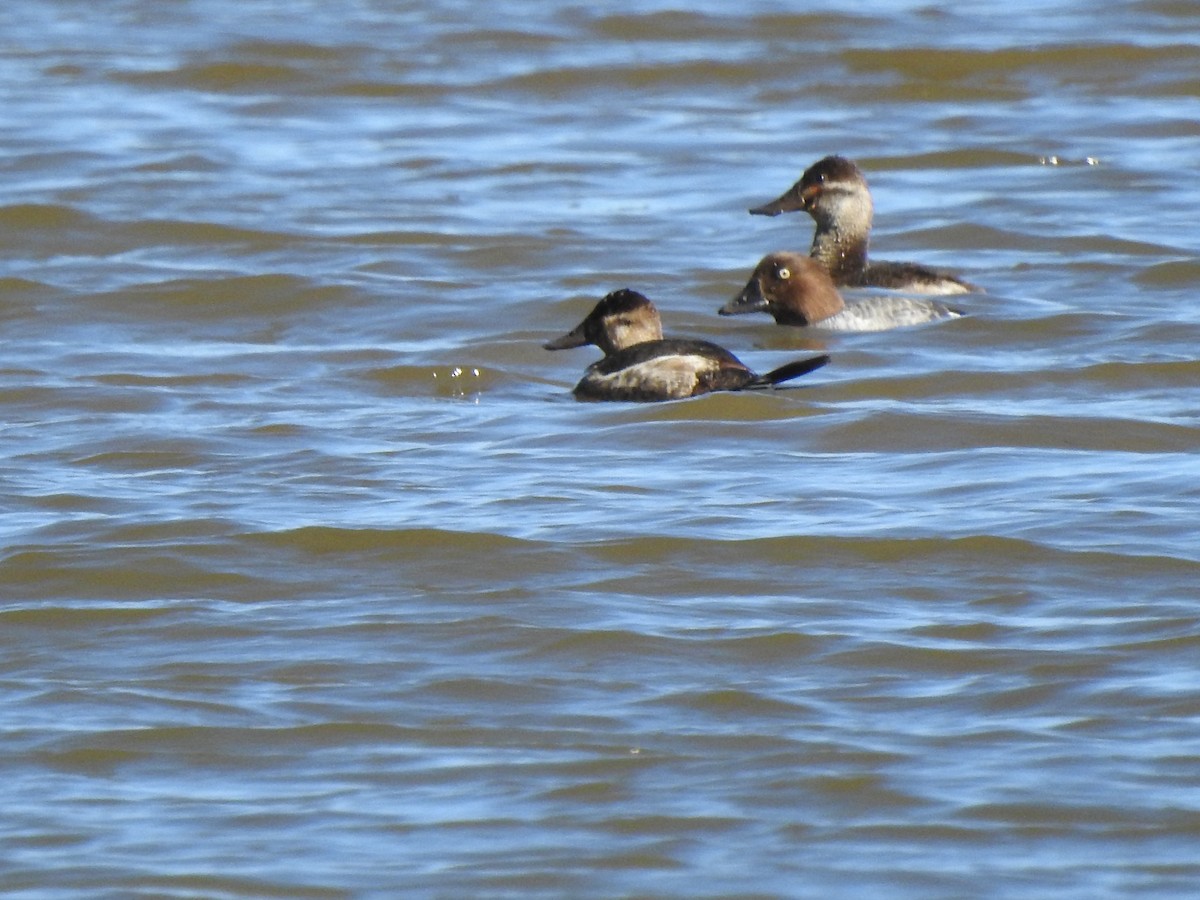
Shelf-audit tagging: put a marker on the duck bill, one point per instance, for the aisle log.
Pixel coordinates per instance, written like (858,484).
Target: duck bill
(573,338)
(793,200)
(749,300)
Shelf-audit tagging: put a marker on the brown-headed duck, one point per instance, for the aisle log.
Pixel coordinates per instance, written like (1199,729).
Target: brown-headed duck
(834,192)
(639,364)
(796,290)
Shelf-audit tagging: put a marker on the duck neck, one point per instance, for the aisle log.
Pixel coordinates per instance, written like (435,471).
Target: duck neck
(844,260)
(840,241)
(821,301)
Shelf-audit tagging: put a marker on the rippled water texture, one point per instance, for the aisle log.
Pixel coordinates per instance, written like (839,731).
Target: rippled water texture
(317,583)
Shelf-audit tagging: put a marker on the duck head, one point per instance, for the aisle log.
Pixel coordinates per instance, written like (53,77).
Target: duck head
(833,191)
(793,288)
(623,318)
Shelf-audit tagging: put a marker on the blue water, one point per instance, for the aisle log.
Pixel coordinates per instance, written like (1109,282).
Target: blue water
(316,582)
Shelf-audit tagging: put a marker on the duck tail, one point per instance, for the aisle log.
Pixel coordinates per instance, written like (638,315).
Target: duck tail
(791,370)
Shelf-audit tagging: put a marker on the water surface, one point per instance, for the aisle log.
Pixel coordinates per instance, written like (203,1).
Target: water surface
(317,583)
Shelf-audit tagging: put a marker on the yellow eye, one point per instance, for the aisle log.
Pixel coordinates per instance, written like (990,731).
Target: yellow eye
(785,273)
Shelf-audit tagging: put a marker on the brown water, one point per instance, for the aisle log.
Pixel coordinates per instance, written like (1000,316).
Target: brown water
(316,582)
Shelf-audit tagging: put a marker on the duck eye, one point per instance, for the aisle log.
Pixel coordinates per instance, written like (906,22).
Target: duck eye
(784,272)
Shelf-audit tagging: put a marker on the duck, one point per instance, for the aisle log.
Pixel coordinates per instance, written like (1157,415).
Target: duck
(796,290)
(834,192)
(641,365)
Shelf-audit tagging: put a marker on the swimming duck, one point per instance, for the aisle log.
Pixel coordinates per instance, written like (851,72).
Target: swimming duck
(834,192)
(796,290)
(640,365)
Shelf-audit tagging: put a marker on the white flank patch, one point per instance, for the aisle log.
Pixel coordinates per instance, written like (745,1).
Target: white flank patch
(885,312)
(673,376)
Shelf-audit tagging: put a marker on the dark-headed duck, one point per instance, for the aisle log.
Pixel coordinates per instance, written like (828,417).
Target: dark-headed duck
(834,192)
(640,365)
(796,290)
